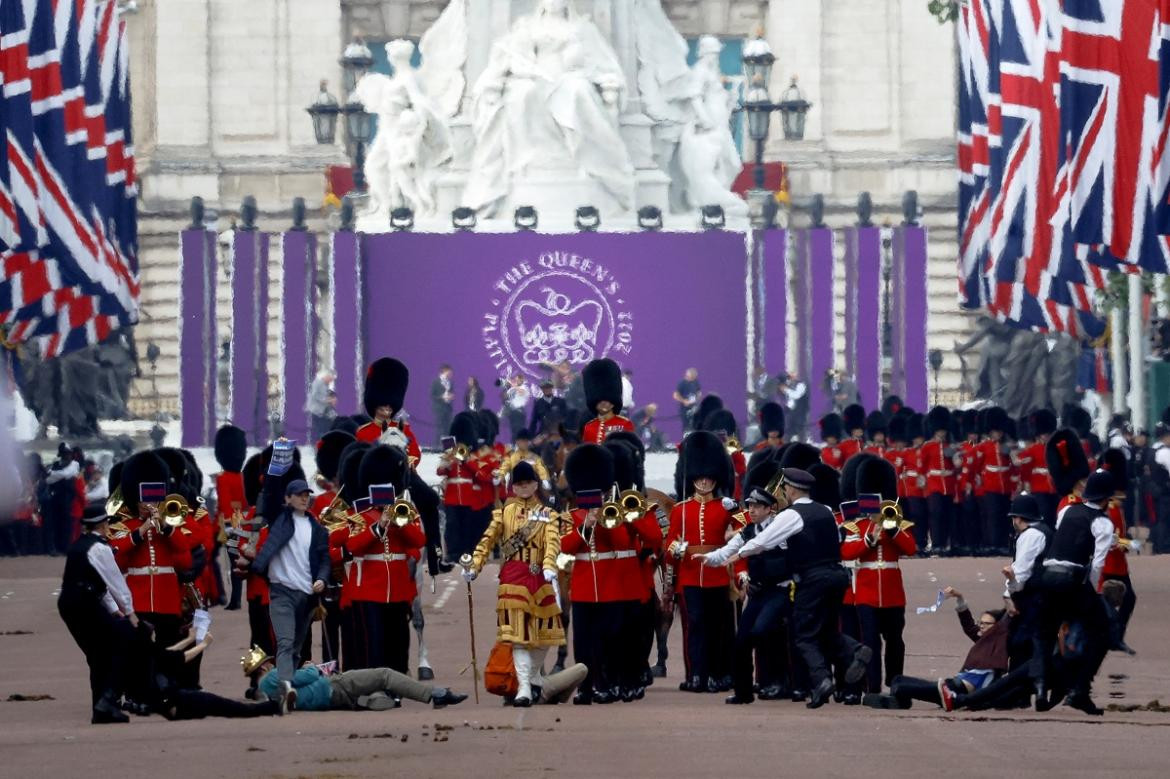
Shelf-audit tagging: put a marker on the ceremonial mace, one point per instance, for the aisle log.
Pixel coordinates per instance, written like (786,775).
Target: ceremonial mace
(465,563)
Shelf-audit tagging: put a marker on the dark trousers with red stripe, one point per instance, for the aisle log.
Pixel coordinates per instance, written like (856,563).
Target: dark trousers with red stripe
(996,525)
(708,632)
(260,626)
(878,627)
(381,636)
(941,510)
(599,630)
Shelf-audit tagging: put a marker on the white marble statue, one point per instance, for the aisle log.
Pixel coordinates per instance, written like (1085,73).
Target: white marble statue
(548,101)
(706,151)
(412,141)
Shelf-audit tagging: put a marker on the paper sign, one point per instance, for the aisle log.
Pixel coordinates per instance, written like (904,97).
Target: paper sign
(282,457)
(201,620)
(934,606)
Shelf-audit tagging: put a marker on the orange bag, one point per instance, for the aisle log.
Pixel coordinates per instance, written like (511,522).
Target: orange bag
(499,677)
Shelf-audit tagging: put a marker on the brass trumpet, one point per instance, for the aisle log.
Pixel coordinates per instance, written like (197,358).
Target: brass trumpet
(891,515)
(401,512)
(733,445)
(612,514)
(335,515)
(633,505)
(459,452)
(174,510)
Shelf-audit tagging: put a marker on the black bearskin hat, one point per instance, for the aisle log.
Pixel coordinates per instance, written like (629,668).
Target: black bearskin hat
(764,454)
(760,474)
(832,426)
(489,426)
(897,431)
(637,451)
(1042,422)
(878,476)
(1067,463)
(892,405)
(827,487)
(938,418)
(1114,461)
(589,467)
(346,425)
(348,475)
(996,419)
(800,455)
(1078,419)
(970,422)
(705,456)
(915,427)
(603,381)
(329,450)
(708,405)
(625,466)
(231,448)
(386,382)
(465,429)
(849,488)
(771,418)
(194,474)
(384,465)
(721,421)
(253,477)
(114,478)
(853,417)
(875,423)
(142,468)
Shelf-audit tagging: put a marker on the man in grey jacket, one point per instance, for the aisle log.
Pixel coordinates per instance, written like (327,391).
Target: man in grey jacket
(295,558)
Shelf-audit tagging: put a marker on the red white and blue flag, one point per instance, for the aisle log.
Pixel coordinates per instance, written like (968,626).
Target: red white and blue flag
(68,195)
(1069,101)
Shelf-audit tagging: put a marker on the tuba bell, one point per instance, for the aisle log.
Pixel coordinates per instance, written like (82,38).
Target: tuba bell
(891,515)
(174,510)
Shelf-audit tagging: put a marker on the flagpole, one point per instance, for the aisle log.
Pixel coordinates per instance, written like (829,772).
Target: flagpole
(1137,343)
(1117,355)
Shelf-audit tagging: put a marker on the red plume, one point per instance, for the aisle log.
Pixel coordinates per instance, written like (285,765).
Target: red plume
(1062,448)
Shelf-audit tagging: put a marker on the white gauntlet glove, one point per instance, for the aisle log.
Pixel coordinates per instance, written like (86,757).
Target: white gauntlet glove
(729,504)
(550,576)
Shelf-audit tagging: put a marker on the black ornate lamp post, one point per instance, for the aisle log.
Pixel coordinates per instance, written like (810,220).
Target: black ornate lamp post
(359,123)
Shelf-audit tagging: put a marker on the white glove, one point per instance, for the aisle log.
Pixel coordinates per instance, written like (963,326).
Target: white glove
(729,504)
(550,576)
(743,581)
(497,481)
(546,485)
(469,575)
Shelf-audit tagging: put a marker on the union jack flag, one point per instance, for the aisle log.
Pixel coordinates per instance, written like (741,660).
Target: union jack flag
(68,219)
(1074,140)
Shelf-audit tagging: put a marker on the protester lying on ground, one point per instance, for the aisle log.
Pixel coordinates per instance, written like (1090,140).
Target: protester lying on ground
(375,689)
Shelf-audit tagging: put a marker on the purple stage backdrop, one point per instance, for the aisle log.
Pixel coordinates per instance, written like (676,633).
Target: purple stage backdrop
(197,337)
(863,320)
(908,316)
(772,307)
(249,341)
(492,305)
(813,295)
(298,324)
(345,279)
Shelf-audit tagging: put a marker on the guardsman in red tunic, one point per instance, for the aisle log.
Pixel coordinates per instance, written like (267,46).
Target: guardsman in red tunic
(967,533)
(231,449)
(1034,477)
(602,380)
(936,463)
(381,545)
(606,584)
(877,540)
(698,525)
(831,431)
(853,418)
(1068,465)
(353,502)
(771,416)
(875,434)
(467,489)
(330,510)
(912,482)
(383,396)
(1116,563)
(149,551)
(994,464)
(722,424)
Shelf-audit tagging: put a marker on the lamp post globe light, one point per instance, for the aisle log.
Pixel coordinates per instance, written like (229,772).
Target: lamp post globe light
(359,123)
(324,112)
(792,108)
(355,62)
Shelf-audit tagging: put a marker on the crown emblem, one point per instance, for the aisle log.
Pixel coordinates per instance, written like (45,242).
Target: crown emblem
(558,329)
(253,659)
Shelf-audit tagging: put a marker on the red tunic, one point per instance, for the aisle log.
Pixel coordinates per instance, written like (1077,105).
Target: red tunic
(880,451)
(151,564)
(203,531)
(908,477)
(1034,469)
(380,572)
(1116,563)
(339,561)
(850,447)
(229,495)
(849,565)
(322,502)
(703,525)
(878,579)
(464,484)
(485,465)
(938,469)
(370,432)
(614,574)
(967,482)
(257,583)
(995,468)
(597,430)
(833,456)
(739,463)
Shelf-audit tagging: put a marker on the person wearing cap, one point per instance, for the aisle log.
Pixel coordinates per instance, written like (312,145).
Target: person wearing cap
(97,607)
(814,556)
(1071,569)
(1022,575)
(547,412)
(767,580)
(295,558)
(527,614)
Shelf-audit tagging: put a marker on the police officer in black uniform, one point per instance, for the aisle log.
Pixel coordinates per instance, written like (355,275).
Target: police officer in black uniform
(814,555)
(1068,592)
(96,606)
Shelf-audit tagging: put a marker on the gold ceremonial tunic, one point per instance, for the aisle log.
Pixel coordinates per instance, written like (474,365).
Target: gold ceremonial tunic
(527,613)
